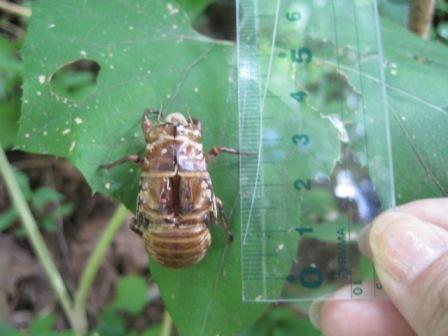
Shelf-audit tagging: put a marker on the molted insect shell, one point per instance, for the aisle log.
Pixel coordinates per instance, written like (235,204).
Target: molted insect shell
(176,202)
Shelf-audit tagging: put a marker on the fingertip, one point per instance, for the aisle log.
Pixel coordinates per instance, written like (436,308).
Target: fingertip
(377,226)
(339,317)
(364,243)
(403,246)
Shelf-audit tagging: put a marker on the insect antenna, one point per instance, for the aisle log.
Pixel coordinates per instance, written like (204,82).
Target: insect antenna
(189,116)
(152,111)
(160,114)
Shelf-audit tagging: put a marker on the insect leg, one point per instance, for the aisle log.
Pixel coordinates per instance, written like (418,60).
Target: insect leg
(218,150)
(136,226)
(224,219)
(133,158)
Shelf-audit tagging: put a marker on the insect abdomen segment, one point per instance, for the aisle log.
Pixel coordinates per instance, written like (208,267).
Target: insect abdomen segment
(174,213)
(177,246)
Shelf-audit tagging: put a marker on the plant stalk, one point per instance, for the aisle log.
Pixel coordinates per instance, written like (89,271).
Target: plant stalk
(94,262)
(167,324)
(15,9)
(420,17)
(35,238)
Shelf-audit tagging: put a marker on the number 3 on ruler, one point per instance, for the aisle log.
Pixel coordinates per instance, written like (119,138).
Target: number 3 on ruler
(301,139)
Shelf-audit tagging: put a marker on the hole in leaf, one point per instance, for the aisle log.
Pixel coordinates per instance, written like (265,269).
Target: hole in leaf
(332,91)
(218,20)
(75,80)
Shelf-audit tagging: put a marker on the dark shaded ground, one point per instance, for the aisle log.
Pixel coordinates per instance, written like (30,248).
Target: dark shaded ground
(24,288)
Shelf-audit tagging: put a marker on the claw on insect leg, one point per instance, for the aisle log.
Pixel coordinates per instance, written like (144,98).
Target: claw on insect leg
(224,219)
(136,227)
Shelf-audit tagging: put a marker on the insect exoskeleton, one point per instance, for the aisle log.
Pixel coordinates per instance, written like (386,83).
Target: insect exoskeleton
(176,203)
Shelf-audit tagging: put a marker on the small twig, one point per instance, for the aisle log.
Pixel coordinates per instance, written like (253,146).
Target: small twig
(15,9)
(420,17)
(167,324)
(94,262)
(36,239)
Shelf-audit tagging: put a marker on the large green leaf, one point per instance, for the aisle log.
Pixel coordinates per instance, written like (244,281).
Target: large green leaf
(397,10)
(130,294)
(149,57)
(417,86)
(282,321)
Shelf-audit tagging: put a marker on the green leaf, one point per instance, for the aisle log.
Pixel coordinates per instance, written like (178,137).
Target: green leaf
(150,57)
(396,10)
(442,30)
(11,69)
(7,218)
(9,115)
(131,294)
(8,330)
(10,76)
(417,73)
(442,6)
(42,324)
(64,210)
(20,232)
(24,184)
(49,224)
(54,333)
(43,196)
(111,323)
(153,331)
(282,321)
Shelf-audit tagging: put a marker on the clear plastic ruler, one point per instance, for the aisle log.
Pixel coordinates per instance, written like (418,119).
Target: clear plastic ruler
(313,115)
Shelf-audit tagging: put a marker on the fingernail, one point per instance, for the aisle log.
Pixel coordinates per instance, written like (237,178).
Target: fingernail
(363,241)
(403,246)
(314,313)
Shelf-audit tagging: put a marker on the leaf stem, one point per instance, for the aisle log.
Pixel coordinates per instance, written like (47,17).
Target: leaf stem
(167,324)
(15,9)
(94,262)
(34,236)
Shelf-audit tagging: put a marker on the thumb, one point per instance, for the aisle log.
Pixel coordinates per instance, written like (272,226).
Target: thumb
(411,259)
